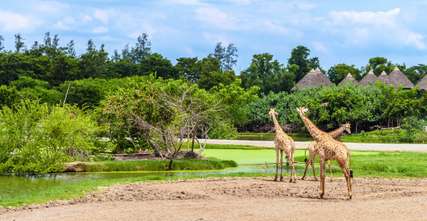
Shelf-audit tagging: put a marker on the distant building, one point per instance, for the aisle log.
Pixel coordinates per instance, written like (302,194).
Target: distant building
(397,79)
(383,78)
(314,78)
(349,79)
(422,84)
(369,78)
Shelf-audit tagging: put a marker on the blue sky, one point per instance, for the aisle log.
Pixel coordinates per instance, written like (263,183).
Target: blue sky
(336,31)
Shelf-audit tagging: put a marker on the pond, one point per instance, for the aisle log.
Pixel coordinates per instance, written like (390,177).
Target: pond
(17,190)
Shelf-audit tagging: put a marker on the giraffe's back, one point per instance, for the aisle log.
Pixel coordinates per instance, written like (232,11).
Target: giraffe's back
(333,149)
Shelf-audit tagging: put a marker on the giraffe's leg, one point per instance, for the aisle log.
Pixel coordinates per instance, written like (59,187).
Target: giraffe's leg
(312,167)
(330,169)
(322,177)
(294,173)
(281,165)
(277,164)
(307,162)
(346,172)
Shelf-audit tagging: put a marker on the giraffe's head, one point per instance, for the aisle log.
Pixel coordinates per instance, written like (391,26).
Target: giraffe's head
(302,110)
(273,112)
(347,127)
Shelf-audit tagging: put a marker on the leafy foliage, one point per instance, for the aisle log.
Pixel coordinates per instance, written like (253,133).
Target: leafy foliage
(36,138)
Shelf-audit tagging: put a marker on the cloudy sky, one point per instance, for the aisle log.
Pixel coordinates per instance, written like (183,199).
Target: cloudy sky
(336,31)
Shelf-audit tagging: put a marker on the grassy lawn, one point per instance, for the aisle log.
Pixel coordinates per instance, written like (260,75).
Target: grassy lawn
(376,136)
(21,191)
(154,165)
(363,163)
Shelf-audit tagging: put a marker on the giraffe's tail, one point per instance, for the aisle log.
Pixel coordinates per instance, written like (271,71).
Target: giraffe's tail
(305,155)
(349,163)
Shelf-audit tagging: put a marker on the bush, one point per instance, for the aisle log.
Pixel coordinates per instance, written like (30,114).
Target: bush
(36,138)
(155,165)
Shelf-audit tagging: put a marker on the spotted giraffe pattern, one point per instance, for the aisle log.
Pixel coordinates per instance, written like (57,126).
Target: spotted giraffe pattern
(328,149)
(283,143)
(313,149)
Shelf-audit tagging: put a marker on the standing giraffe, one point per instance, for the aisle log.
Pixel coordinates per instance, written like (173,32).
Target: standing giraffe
(328,149)
(283,142)
(312,149)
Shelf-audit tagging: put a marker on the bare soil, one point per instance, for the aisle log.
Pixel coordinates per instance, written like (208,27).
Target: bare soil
(240,199)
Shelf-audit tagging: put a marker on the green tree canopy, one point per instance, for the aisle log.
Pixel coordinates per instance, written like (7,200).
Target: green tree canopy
(300,59)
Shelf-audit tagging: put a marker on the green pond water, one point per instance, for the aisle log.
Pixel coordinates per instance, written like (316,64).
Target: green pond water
(20,190)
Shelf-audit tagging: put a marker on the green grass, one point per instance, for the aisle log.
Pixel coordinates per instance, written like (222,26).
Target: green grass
(270,136)
(18,191)
(385,136)
(363,163)
(376,136)
(155,165)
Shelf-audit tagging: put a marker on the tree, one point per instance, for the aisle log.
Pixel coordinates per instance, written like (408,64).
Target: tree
(227,56)
(156,63)
(70,50)
(267,74)
(188,68)
(300,58)
(339,71)
(379,64)
(92,62)
(19,43)
(142,48)
(416,73)
(1,43)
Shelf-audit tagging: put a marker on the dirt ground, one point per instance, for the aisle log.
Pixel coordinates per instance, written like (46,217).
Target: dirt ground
(240,199)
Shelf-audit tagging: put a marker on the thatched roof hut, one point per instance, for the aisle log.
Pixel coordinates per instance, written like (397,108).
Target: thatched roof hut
(314,78)
(383,78)
(398,79)
(369,78)
(422,84)
(349,79)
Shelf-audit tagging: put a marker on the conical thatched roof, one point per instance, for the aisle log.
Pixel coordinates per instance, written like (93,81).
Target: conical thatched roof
(398,79)
(383,78)
(422,84)
(314,78)
(369,78)
(349,79)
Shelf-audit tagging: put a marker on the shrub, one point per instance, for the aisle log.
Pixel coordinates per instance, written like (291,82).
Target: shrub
(36,138)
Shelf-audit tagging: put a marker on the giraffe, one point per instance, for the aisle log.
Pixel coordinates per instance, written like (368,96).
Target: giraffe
(285,143)
(328,149)
(312,150)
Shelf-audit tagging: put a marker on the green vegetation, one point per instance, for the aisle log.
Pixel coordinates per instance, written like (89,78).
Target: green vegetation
(387,136)
(137,99)
(363,163)
(155,165)
(270,136)
(252,162)
(36,138)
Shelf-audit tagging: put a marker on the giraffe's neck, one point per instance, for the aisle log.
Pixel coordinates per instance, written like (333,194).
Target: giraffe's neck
(337,132)
(276,124)
(315,132)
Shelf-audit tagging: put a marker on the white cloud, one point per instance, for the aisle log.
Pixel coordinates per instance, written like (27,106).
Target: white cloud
(65,24)
(274,27)
(214,38)
(50,6)
(184,2)
(86,18)
(11,21)
(365,17)
(320,47)
(100,29)
(215,17)
(101,15)
(381,27)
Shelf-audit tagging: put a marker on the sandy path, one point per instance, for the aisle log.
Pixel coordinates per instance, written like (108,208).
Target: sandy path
(241,199)
(351,146)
